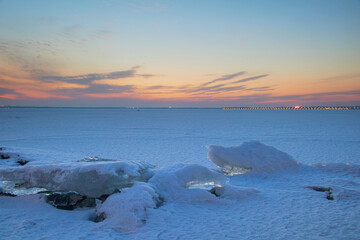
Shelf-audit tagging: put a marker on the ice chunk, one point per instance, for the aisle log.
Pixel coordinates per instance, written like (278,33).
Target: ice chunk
(129,209)
(187,183)
(91,179)
(249,156)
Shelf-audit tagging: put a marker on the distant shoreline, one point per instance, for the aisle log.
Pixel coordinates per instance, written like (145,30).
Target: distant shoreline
(199,108)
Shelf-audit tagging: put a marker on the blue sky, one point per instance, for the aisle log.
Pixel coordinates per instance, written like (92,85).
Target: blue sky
(308,51)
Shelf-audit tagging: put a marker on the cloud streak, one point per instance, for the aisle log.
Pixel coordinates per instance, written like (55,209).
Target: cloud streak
(224,78)
(88,78)
(341,78)
(251,78)
(107,89)
(4,91)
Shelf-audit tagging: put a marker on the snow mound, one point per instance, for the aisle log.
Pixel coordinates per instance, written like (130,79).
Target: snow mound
(187,183)
(91,179)
(129,209)
(249,156)
(347,168)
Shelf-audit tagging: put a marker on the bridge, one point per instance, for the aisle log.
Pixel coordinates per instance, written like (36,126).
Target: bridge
(295,108)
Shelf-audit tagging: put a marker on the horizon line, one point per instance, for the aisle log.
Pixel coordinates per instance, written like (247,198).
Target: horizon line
(313,107)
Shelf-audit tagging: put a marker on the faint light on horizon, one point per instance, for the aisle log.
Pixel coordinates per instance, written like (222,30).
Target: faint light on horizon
(297,107)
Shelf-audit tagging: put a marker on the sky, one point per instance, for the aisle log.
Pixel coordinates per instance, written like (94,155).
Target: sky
(119,53)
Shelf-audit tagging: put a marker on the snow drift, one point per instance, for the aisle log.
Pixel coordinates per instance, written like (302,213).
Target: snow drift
(249,156)
(91,179)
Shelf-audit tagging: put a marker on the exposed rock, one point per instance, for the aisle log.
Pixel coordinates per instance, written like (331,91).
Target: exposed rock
(213,191)
(328,191)
(86,202)
(97,217)
(103,197)
(4,156)
(64,200)
(329,195)
(69,200)
(7,194)
(159,202)
(319,189)
(22,161)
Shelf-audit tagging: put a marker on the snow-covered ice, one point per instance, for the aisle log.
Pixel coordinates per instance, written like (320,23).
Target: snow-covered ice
(187,183)
(249,156)
(185,196)
(91,179)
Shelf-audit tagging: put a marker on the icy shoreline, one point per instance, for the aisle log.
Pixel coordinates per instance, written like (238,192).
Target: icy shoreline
(143,191)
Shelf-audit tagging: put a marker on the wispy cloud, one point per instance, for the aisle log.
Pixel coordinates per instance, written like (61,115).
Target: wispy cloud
(260,89)
(224,78)
(203,89)
(156,87)
(341,78)
(4,91)
(218,89)
(251,78)
(318,97)
(89,78)
(108,89)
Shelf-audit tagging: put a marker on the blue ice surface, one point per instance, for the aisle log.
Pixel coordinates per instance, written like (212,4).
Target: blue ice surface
(164,137)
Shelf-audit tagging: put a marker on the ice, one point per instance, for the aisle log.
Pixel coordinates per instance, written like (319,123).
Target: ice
(249,156)
(91,179)
(187,183)
(129,209)
(281,209)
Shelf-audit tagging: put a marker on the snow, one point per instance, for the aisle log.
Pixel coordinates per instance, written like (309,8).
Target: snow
(345,168)
(129,209)
(91,179)
(269,202)
(187,183)
(249,156)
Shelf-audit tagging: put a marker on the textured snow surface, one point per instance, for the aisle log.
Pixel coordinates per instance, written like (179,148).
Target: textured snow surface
(250,156)
(348,168)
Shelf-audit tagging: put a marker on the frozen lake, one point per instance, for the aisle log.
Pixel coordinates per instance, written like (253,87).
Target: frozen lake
(167,136)
(274,200)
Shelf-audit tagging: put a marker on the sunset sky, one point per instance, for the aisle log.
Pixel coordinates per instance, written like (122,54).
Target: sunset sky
(117,53)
